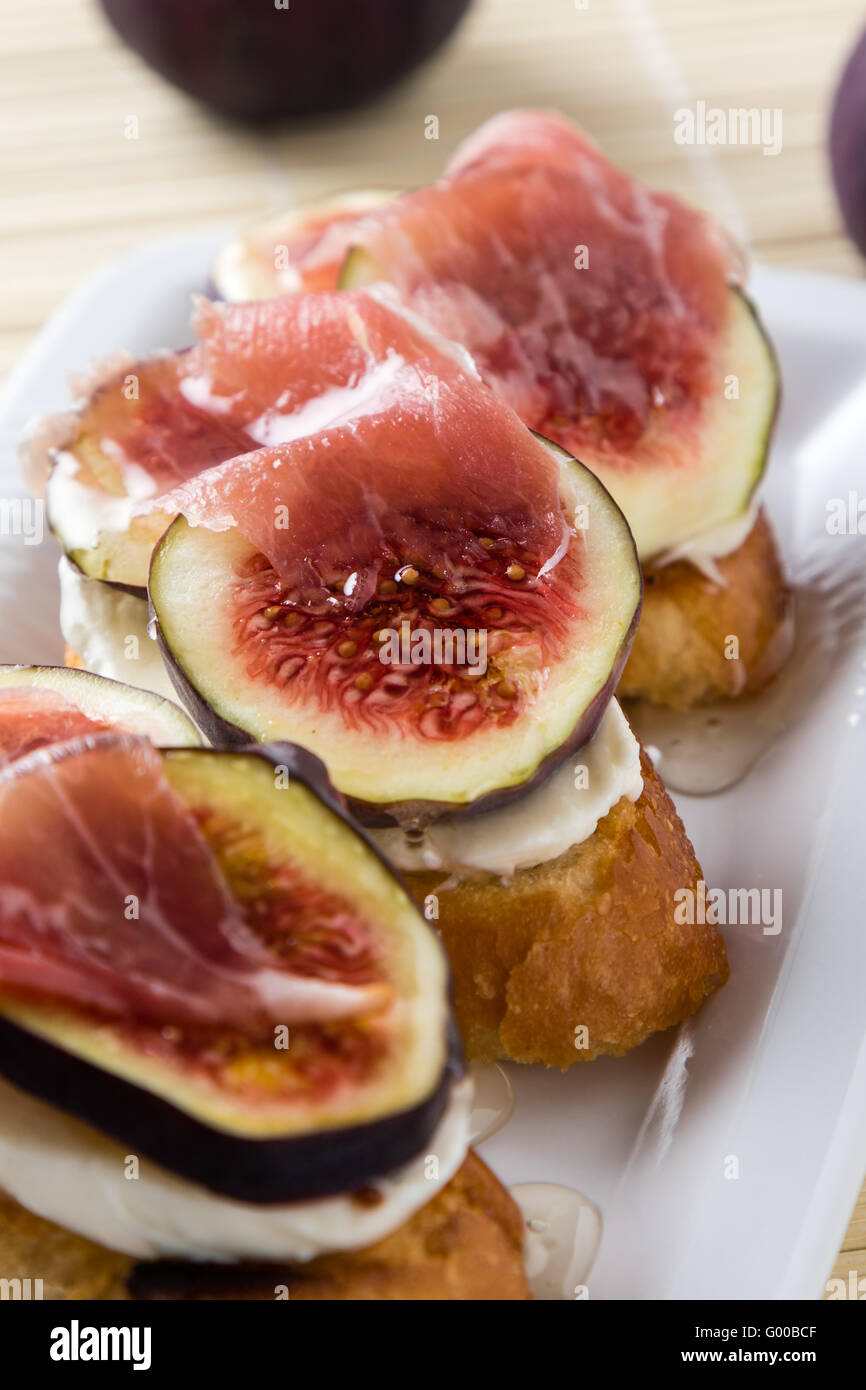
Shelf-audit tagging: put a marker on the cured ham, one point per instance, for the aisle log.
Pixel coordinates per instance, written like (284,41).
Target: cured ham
(264,262)
(586,299)
(374,426)
(608,315)
(31,719)
(136,917)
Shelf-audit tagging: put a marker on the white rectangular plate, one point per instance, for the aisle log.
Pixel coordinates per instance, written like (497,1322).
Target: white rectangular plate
(776,1078)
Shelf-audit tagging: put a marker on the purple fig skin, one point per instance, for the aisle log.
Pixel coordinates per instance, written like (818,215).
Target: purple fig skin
(848,144)
(259,60)
(261,1171)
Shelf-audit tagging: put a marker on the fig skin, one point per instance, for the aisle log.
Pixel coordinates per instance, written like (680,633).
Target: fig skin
(464,1245)
(587,939)
(259,62)
(678,658)
(261,1171)
(848,144)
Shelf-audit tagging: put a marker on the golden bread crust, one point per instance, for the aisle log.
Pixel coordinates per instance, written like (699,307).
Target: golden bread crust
(466,1244)
(587,940)
(69,1266)
(678,658)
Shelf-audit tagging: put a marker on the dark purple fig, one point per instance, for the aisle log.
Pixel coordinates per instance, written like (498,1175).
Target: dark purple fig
(848,144)
(263,59)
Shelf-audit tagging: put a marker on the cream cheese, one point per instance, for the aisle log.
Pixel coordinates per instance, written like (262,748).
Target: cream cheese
(107,628)
(89,511)
(67,1172)
(541,825)
(703,550)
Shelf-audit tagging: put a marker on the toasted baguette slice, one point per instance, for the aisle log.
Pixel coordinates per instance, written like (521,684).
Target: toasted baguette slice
(679,655)
(466,1244)
(586,941)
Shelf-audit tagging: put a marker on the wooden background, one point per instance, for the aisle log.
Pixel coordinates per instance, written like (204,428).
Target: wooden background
(76,190)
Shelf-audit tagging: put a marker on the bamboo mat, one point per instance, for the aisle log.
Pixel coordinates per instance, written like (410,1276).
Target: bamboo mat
(75,190)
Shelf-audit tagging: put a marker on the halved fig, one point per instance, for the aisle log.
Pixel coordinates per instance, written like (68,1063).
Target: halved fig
(203,958)
(445,612)
(605,313)
(41,705)
(266,260)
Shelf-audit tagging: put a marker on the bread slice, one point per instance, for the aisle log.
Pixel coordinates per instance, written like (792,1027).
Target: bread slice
(679,654)
(588,941)
(466,1244)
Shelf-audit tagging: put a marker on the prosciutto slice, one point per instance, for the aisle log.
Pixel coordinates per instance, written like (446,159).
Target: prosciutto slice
(586,299)
(379,435)
(31,719)
(135,918)
(290,414)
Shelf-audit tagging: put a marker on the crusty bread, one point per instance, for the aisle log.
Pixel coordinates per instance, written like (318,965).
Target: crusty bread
(466,1244)
(587,940)
(678,658)
(69,1266)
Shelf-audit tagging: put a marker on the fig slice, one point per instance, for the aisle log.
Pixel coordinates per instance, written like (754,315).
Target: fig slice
(608,315)
(265,260)
(210,1030)
(435,601)
(41,705)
